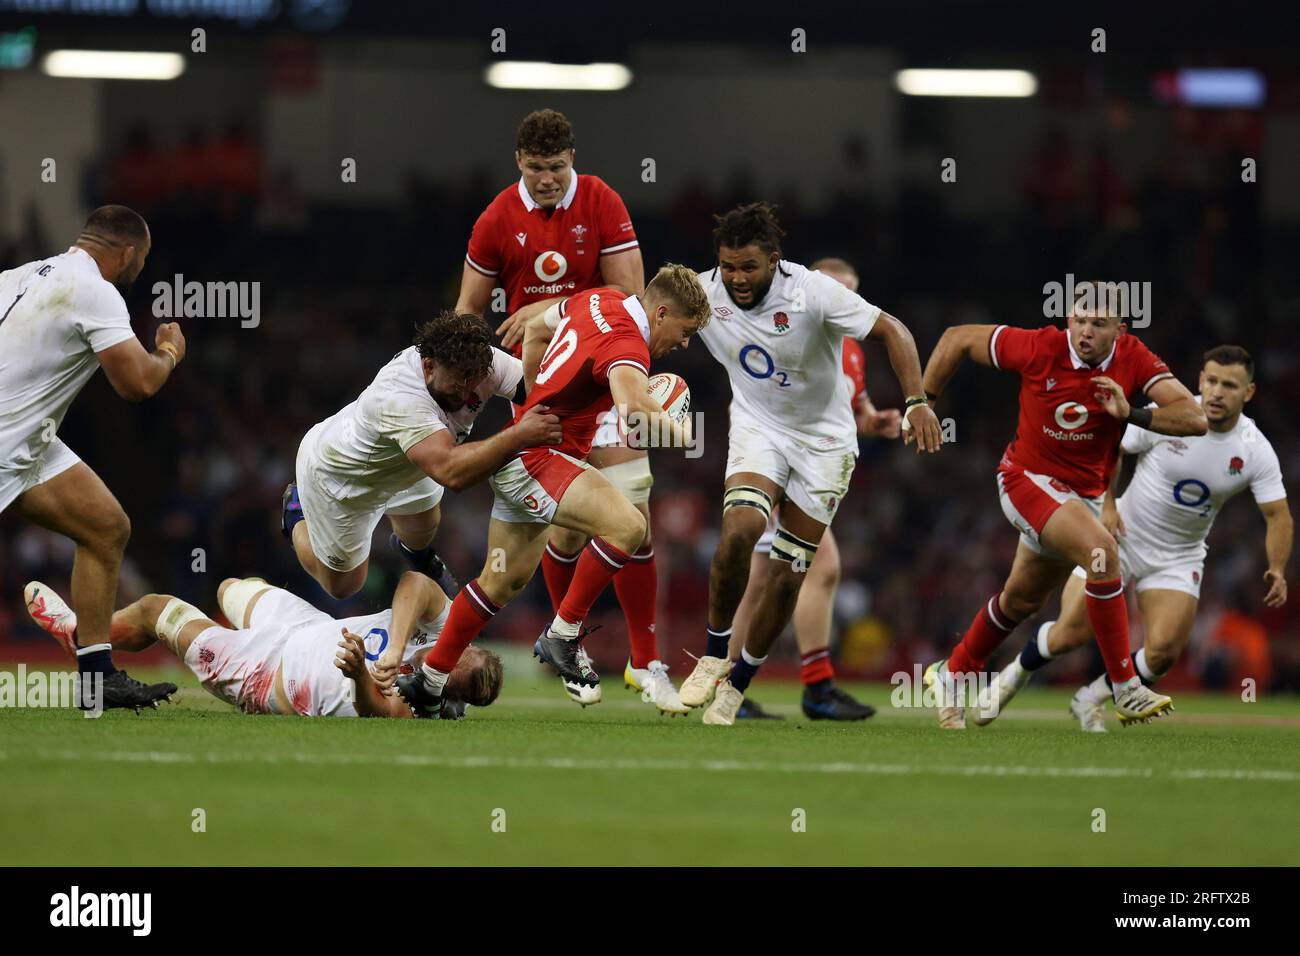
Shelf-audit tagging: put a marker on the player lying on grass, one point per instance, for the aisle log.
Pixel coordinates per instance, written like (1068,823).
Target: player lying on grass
(1074,388)
(1161,522)
(284,656)
(61,320)
(393,451)
(822,700)
(598,357)
(779,334)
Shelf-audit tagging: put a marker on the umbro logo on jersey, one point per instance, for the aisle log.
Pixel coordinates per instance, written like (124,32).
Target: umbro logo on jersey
(1051,384)
(780,322)
(723,311)
(521,236)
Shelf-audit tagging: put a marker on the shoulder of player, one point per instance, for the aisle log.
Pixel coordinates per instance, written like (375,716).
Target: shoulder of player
(593,187)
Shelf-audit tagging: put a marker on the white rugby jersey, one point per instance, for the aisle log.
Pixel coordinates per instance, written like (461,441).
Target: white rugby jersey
(317,688)
(1181,483)
(55,314)
(783,356)
(362,448)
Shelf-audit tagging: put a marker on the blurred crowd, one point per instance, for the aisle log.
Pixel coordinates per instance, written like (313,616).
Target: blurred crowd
(201,467)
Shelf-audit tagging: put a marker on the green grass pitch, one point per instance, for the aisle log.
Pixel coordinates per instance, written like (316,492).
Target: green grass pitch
(536,780)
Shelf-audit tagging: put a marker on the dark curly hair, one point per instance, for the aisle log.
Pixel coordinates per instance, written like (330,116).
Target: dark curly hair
(544,133)
(753,222)
(460,342)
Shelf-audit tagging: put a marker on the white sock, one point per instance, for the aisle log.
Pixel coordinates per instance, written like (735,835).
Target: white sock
(1143,668)
(435,680)
(1043,630)
(750,659)
(83,651)
(564,630)
(1118,689)
(1098,691)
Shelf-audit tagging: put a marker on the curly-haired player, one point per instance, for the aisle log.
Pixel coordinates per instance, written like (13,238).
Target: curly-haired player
(393,451)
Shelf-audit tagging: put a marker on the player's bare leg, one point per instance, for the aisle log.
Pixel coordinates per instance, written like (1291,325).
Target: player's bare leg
(412,538)
(1052,638)
(1075,532)
(747,501)
(1033,578)
(793,551)
(77,504)
(337,584)
(1167,619)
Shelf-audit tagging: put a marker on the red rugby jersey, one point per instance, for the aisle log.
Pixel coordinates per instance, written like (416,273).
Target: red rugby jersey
(855,370)
(1063,431)
(538,254)
(599,330)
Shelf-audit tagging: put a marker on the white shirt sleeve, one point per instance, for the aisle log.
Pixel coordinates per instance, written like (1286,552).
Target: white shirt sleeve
(845,313)
(1137,440)
(507,372)
(409,422)
(1266,474)
(100,316)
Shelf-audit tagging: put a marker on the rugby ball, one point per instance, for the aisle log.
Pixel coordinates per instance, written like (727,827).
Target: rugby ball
(672,393)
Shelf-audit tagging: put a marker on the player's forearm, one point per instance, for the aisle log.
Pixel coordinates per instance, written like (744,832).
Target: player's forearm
(1183,417)
(1278,540)
(409,600)
(903,356)
(944,361)
(468,464)
(537,335)
(643,416)
(370,701)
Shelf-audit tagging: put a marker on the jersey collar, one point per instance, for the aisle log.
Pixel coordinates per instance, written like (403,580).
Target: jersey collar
(530,203)
(634,308)
(1077,362)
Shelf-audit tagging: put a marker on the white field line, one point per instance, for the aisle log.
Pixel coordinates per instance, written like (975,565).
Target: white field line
(694,766)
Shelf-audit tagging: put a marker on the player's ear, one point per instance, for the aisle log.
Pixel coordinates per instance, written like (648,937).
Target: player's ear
(1250,391)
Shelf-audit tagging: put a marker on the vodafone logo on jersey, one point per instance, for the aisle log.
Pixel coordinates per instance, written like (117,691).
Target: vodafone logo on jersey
(1071,415)
(550,266)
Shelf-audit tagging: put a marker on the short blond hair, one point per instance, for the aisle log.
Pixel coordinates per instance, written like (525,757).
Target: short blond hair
(680,286)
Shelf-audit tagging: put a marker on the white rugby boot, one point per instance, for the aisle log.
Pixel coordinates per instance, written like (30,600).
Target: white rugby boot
(655,687)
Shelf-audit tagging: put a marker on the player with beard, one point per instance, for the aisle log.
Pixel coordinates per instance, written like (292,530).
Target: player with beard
(397,447)
(61,319)
(1074,388)
(1162,522)
(813,611)
(779,333)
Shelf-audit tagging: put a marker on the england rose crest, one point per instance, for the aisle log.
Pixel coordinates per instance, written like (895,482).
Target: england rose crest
(781,322)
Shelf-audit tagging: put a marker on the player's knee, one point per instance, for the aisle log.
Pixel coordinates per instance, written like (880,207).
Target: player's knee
(1101,555)
(340,589)
(1020,606)
(739,536)
(111,531)
(627,529)
(823,576)
(222,588)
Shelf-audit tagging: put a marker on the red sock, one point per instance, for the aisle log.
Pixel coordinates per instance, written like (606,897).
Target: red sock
(989,629)
(469,614)
(637,587)
(1108,615)
(557,569)
(599,563)
(816,666)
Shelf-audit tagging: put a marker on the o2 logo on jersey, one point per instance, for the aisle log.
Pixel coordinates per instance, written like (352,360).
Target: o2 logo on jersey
(1191,493)
(550,266)
(383,642)
(1071,415)
(767,368)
